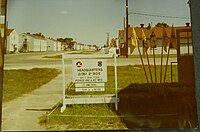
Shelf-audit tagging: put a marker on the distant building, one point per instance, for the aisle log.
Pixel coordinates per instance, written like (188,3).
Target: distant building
(113,43)
(78,46)
(53,45)
(65,46)
(86,47)
(12,41)
(34,42)
(158,32)
(58,45)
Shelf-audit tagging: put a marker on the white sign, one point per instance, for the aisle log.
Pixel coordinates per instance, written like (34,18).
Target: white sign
(87,87)
(89,84)
(89,70)
(89,74)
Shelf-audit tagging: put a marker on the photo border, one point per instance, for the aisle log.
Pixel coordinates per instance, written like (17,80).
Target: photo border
(195,15)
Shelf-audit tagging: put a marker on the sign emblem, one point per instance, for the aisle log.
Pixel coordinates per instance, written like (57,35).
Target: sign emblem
(78,64)
(100,63)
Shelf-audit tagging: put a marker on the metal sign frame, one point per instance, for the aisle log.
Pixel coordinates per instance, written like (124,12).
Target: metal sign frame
(89,99)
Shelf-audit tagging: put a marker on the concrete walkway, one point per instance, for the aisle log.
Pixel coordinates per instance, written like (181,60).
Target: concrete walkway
(22,113)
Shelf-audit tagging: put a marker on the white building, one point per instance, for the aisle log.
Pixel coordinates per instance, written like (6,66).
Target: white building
(12,41)
(86,47)
(53,45)
(77,46)
(80,46)
(34,42)
(58,45)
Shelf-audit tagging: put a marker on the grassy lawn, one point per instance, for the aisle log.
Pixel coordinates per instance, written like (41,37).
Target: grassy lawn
(85,117)
(102,116)
(150,56)
(19,82)
(131,74)
(130,56)
(72,52)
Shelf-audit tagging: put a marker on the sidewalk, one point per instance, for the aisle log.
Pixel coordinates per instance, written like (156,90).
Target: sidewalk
(22,113)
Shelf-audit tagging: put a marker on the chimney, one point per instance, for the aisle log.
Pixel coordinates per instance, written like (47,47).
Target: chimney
(187,24)
(142,25)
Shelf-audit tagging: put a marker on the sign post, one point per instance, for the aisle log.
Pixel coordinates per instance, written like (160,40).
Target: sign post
(89,74)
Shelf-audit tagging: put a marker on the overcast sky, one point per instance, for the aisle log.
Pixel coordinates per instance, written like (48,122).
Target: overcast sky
(88,21)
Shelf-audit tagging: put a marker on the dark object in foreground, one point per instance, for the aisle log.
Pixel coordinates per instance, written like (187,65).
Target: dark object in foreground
(156,106)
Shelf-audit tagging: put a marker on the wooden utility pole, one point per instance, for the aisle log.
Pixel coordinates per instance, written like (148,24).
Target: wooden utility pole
(126,29)
(107,42)
(3,10)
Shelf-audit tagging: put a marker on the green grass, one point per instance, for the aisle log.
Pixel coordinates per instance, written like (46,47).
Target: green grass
(130,56)
(54,56)
(72,52)
(83,52)
(101,116)
(151,56)
(131,74)
(19,82)
(86,117)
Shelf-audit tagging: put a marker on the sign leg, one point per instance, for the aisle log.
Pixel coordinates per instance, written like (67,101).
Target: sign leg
(63,108)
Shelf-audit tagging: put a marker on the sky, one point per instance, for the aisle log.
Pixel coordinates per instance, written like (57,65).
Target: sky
(89,21)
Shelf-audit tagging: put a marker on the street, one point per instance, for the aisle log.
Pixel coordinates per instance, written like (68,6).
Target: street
(35,59)
(30,60)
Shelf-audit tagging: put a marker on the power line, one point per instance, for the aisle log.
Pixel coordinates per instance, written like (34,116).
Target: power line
(152,15)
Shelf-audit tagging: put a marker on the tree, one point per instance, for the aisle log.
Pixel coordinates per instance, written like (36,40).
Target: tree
(159,24)
(96,47)
(65,39)
(113,42)
(39,34)
(69,41)
(71,44)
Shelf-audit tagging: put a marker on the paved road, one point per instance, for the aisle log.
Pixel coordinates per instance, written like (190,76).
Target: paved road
(30,60)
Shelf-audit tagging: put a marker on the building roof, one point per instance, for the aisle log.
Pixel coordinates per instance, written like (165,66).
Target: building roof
(8,31)
(54,40)
(35,36)
(157,30)
(51,39)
